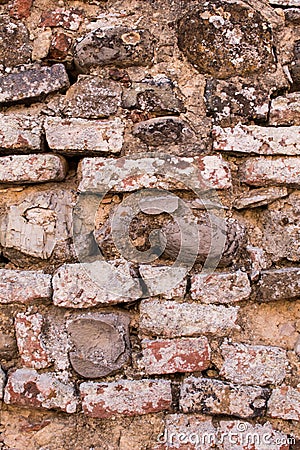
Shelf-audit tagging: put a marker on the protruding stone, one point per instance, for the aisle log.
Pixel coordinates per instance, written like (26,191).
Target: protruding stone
(18,286)
(163,131)
(20,133)
(280,284)
(32,168)
(125,397)
(284,403)
(210,396)
(26,387)
(260,197)
(119,46)
(172,319)
(254,364)
(266,172)
(161,280)
(226,39)
(100,344)
(32,84)
(285,110)
(13,35)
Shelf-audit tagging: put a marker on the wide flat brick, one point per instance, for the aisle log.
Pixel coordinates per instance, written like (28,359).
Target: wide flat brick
(265,172)
(20,133)
(125,397)
(279,284)
(254,364)
(260,197)
(20,286)
(173,319)
(284,403)
(220,287)
(87,285)
(285,110)
(26,387)
(258,140)
(210,396)
(32,168)
(175,355)
(32,84)
(81,136)
(29,339)
(129,174)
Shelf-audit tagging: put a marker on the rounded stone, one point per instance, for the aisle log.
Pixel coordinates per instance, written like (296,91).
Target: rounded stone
(226,39)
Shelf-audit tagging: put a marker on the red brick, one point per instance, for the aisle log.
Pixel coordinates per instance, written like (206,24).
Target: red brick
(125,397)
(60,46)
(20,9)
(175,355)
(68,19)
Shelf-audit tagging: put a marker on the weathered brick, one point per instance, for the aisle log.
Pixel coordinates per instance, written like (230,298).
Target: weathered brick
(92,97)
(161,280)
(284,403)
(125,397)
(2,382)
(20,133)
(292,15)
(220,287)
(120,46)
(14,34)
(18,286)
(26,387)
(163,131)
(129,174)
(258,140)
(87,285)
(60,46)
(32,84)
(69,19)
(29,339)
(260,197)
(20,9)
(32,168)
(285,110)
(254,364)
(284,2)
(265,172)
(279,284)
(82,136)
(173,319)
(210,396)
(175,355)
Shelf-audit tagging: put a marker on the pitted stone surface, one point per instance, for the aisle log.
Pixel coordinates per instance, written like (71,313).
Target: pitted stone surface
(266,172)
(20,133)
(279,284)
(226,39)
(163,131)
(160,280)
(284,403)
(14,35)
(24,286)
(100,344)
(69,19)
(285,110)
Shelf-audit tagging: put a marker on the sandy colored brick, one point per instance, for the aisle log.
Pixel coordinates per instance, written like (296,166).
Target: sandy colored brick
(21,286)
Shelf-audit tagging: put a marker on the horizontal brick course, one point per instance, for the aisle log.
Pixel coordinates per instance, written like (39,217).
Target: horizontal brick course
(265,172)
(24,286)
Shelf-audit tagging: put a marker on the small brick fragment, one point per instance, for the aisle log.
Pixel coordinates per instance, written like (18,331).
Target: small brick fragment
(254,364)
(81,136)
(20,133)
(60,46)
(175,355)
(69,19)
(260,197)
(26,387)
(220,287)
(29,339)
(2,382)
(210,396)
(18,286)
(266,172)
(20,9)
(285,110)
(14,35)
(163,281)
(163,131)
(32,168)
(172,319)
(32,84)
(125,397)
(284,403)
(279,284)
(252,139)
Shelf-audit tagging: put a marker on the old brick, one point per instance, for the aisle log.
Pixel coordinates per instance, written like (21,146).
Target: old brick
(265,172)
(172,319)
(292,15)
(220,287)
(2,382)
(125,397)
(69,19)
(284,403)
(60,46)
(41,45)
(26,387)
(29,339)
(259,140)
(18,286)
(84,136)
(279,284)
(259,197)
(120,46)
(163,281)
(175,355)
(210,396)
(130,174)
(164,131)
(254,364)
(32,84)
(92,97)
(285,110)
(20,9)
(14,34)
(20,133)
(87,285)
(284,2)
(295,75)
(32,168)
(235,37)
(100,344)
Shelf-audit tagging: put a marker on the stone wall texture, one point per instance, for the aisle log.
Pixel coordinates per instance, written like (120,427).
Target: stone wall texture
(149,224)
